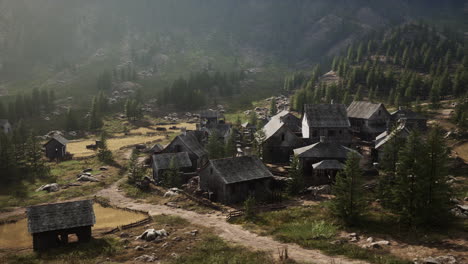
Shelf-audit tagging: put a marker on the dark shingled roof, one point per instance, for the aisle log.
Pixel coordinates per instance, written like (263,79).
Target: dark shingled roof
(222,129)
(163,161)
(382,139)
(210,114)
(328,165)
(156,148)
(406,114)
(191,141)
(362,109)
(276,123)
(240,169)
(59,138)
(326,115)
(49,217)
(324,150)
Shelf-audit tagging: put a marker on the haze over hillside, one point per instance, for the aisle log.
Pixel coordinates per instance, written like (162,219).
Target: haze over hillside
(58,34)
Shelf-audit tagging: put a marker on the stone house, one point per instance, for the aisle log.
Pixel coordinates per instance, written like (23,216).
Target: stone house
(233,180)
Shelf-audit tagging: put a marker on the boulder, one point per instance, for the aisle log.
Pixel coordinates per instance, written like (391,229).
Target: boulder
(146,258)
(87,170)
(103,168)
(170,194)
(87,178)
(51,187)
(139,248)
(152,234)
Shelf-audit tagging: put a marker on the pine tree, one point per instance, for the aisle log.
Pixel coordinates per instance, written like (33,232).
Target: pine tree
(230,149)
(95,121)
(33,157)
(170,178)
(348,203)
(273,109)
(297,183)
(358,95)
(215,146)
(104,154)
(135,170)
(71,121)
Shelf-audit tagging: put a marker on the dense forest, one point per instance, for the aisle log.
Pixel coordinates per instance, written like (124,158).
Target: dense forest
(399,66)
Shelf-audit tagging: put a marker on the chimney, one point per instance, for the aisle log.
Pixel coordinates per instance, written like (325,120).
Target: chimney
(332,101)
(323,139)
(400,108)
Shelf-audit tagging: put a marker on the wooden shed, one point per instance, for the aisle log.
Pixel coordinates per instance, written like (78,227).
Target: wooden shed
(324,172)
(189,142)
(50,224)
(232,180)
(56,148)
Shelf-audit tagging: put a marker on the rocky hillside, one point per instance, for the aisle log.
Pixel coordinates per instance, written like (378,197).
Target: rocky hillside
(60,34)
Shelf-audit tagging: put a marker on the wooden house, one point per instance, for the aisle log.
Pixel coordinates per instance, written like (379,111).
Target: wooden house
(232,180)
(189,142)
(318,152)
(163,162)
(51,224)
(411,119)
(401,132)
(209,117)
(5,126)
(279,141)
(367,119)
(56,148)
(290,120)
(326,120)
(224,131)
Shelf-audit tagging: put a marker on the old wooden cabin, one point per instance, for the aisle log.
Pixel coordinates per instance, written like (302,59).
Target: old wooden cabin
(50,224)
(190,142)
(162,162)
(368,120)
(56,148)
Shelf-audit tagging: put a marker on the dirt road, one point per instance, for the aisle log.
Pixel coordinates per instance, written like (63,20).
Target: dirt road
(229,232)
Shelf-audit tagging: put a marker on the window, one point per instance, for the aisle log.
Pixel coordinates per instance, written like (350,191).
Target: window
(211,171)
(380,112)
(314,133)
(331,133)
(178,148)
(282,137)
(341,131)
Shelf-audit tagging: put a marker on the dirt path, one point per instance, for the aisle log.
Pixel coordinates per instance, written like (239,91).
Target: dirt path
(229,232)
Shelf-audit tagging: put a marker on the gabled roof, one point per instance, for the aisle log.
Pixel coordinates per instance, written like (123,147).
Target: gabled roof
(239,169)
(275,124)
(326,115)
(222,129)
(190,140)
(324,150)
(163,161)
(42,218)
(382,139)
(210,114)
(406,114)
(362,109)
(156,148)
(59,138)
(328,165)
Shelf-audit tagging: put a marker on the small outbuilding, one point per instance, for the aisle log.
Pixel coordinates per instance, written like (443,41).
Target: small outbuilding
(50,224)
(233,180)
(209,117)
(324,172)
(56,148)
(411,119)
(163,162)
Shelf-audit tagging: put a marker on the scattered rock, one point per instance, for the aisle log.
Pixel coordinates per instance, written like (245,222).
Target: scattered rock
(174,255)
(152,234)
(370,239)
(51,187)
(139,248)
(87,170)
(170,194)
(177,239)
(87,178)
(165,245)
(103,168)
(146,258)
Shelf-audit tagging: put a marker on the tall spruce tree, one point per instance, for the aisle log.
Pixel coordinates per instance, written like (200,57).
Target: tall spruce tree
(348,203)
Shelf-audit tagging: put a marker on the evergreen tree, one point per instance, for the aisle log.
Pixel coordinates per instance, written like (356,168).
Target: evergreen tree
(273,109)
(104,154)
(136,171)
(95,121)
(297,183)
(171,177)
(215,146)
(71,121)
(33,157)
(230,147)
(348,203)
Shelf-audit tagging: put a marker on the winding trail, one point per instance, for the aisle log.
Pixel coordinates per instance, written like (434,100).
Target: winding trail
(229,232)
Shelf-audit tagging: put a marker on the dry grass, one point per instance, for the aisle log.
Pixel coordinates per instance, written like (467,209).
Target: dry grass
(462,151)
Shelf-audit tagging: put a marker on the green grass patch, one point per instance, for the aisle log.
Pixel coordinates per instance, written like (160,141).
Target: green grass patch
(97,250)
(171,220)
(214,250)
(312,227)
